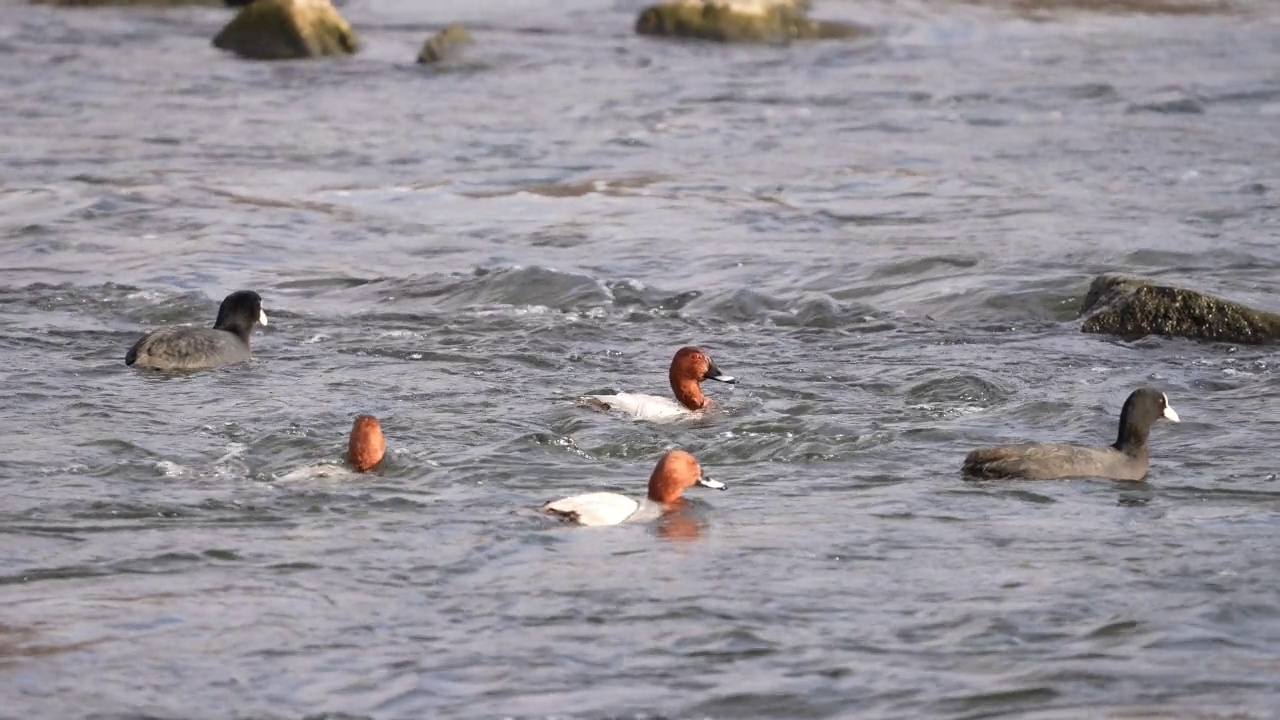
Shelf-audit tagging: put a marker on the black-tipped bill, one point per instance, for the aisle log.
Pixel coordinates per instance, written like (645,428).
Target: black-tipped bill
(713,373)
(705,481)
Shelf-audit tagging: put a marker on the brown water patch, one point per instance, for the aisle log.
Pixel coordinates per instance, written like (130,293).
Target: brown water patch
(619,187)
(19,643)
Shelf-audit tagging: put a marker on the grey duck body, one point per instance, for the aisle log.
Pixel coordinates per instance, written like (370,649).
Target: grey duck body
(1126,459)
(1045,461)
(189,348)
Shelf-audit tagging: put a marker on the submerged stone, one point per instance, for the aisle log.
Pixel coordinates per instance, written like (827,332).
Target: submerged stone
(287,29)
(1132,308)
(444,43)
(770,21)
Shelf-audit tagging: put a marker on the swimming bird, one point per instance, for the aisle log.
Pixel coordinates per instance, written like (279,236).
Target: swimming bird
(1126,459)
(689,368)
(190,348)
(674,473)
(365,448)
(366,444)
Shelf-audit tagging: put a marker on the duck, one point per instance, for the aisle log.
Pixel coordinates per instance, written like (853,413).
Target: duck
(190,348)
(1126,459)
(675,472)
(366,445)
(689,367)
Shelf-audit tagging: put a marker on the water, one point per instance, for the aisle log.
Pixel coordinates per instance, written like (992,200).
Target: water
(886,241)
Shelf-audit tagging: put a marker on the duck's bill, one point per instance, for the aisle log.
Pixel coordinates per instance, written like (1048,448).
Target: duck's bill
(713,373)
(1171,415)
(713,484)
(262,317)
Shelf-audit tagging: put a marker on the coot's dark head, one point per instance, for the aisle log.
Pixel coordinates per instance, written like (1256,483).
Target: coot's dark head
(239,312)
(1143,408)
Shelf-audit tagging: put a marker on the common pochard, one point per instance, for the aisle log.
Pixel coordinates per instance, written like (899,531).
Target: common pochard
(365,447)
(675,472)
(689,368)
(366,444)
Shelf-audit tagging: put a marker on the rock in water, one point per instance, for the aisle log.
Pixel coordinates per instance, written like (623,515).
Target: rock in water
(1132,308)
(444,43)
(741,21)
(287,29)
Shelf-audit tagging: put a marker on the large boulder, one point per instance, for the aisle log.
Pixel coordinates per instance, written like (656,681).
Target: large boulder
(1132,308)
(287,29)
(772,21)
(443,44)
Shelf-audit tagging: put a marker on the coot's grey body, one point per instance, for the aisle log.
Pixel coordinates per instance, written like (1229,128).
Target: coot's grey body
(1043,461)
(1126,459)
(188,348)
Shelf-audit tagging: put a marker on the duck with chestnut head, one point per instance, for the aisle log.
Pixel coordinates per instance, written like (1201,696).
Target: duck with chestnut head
(676,472)
(689,368)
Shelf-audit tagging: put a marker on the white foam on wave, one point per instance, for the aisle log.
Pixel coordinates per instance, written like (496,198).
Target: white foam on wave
(320,471)
(168,468)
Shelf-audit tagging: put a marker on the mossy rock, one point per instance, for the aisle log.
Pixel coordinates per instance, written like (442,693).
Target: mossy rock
(770,22)
(443,44)
(287,29)
(1132,308)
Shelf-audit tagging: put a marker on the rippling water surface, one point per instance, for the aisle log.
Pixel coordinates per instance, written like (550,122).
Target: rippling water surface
(886,241)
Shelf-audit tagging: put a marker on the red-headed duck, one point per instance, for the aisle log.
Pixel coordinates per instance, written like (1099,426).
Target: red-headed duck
(365,447)
(689,368)
(675,472)
(367,444)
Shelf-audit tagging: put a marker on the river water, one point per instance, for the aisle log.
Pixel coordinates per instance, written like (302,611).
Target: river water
(885,240)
